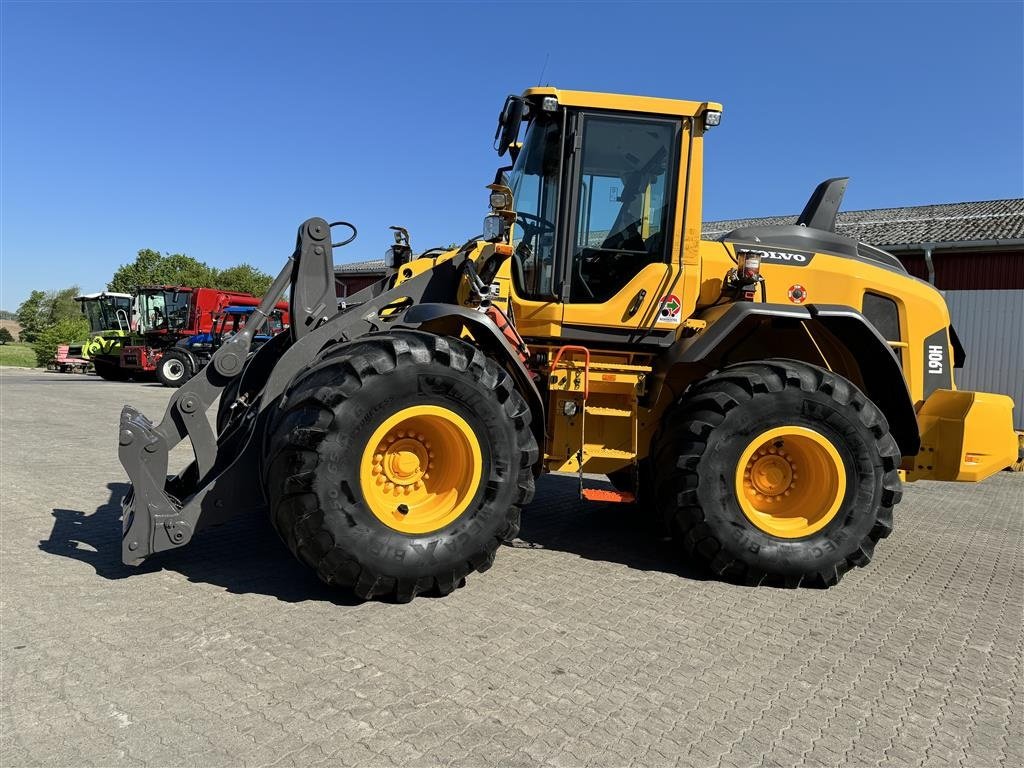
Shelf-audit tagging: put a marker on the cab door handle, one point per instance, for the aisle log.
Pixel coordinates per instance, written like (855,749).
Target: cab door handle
(636,303)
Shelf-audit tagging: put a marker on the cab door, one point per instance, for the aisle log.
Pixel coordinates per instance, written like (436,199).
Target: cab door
(621,264)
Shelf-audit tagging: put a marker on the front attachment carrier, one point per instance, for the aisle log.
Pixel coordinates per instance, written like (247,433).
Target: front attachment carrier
(163,513)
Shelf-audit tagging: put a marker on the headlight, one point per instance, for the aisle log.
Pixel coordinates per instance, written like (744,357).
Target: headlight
(712,118)
(494,227)
(499,200)
(390,258)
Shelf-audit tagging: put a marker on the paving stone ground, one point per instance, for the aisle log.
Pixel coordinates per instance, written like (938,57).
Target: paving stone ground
(588,643)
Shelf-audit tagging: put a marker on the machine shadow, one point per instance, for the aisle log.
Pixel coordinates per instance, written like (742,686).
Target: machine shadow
(242,556)
(613,533)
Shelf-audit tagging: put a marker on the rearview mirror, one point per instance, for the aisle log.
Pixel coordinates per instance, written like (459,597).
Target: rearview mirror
(509,120)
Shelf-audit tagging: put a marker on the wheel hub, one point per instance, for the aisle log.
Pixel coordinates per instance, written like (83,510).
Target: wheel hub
(421,469)
(767,487)
(402,461)
(770,473)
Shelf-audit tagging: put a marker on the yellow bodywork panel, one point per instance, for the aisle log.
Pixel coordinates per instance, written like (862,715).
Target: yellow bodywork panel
(965,436)
(598,415)
(592,413)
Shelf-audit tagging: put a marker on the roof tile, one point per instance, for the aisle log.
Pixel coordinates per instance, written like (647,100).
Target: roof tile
(882,227)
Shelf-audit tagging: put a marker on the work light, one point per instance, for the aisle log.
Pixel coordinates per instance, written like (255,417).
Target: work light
(748,266)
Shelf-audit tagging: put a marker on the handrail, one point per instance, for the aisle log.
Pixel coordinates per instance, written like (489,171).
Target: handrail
(586,364)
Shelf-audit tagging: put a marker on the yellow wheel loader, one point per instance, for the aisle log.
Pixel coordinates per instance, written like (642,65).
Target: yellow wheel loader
(760,393)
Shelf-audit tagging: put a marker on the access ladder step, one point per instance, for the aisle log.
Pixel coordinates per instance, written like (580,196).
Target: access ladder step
(598,494)
(603,410)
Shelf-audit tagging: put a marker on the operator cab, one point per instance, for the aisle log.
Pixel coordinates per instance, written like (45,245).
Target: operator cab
(106,311)
(163,309)
(595,185)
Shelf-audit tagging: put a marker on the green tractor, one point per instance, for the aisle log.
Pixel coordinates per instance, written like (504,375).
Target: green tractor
(109,316)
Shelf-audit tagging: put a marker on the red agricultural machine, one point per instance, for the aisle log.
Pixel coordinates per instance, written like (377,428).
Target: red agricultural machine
(163,315)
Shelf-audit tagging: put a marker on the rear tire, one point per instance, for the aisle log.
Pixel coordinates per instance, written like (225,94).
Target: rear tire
(727,474)
(175,368)
(109,370)
(347,412)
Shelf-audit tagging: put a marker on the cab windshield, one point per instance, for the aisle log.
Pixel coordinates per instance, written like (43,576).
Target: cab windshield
(534,181)
(164,310)
(107,314)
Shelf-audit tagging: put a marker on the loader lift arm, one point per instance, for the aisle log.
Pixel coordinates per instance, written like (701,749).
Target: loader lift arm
(162,513)
(154,518)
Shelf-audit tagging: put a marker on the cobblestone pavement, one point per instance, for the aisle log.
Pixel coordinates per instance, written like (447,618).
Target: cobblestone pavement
(586,643)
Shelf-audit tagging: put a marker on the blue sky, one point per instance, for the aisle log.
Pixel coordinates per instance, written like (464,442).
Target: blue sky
(215,129)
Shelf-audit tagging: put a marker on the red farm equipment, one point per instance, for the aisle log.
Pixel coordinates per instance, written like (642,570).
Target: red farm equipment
(163,316)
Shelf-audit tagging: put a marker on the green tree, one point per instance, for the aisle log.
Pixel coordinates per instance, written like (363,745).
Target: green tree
(244,278)
(5,336)
(67,331)
(43,309)
(28,314)
(154,268)
(60,306)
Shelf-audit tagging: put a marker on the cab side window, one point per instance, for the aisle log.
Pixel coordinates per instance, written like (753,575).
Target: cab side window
(623,194)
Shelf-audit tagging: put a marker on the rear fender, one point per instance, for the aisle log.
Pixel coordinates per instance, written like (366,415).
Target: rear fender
(880,369)
(867,358)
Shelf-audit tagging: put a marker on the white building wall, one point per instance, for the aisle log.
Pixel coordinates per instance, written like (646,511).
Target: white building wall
(990,325)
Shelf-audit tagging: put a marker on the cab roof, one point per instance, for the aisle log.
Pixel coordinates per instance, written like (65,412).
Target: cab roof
(624,102)
(102,295)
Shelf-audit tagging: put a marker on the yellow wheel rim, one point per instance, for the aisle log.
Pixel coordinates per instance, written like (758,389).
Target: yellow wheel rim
(790,482)
(421,469)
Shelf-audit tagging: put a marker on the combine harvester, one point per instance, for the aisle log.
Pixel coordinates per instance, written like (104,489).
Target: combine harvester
(109,315)
(760,393)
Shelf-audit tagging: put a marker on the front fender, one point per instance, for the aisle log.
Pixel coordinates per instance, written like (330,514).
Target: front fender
(450,320)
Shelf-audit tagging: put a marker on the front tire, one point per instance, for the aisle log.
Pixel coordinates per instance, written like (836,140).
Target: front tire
(778,472)
(398,464)
(175,368)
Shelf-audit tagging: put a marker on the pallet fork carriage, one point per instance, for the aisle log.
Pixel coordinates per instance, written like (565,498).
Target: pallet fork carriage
(759,394)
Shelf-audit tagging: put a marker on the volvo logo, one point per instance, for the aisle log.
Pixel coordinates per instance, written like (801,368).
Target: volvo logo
(791,258)
(787,257)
